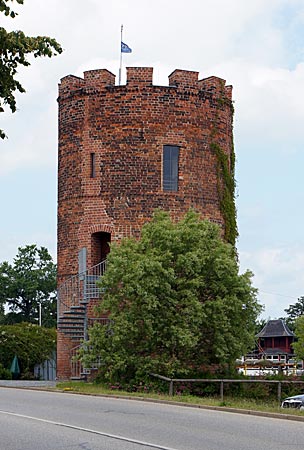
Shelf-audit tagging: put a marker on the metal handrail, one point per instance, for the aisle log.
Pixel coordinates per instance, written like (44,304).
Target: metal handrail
(78,370)
(81,287)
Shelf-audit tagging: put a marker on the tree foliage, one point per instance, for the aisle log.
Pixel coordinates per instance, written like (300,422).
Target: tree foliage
(15,47)
(176,302)
(2,314)
(28,283)
(260,324)
(294,311)
(32,345)
(298,345)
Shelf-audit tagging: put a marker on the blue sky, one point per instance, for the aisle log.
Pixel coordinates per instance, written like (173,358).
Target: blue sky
(257,46)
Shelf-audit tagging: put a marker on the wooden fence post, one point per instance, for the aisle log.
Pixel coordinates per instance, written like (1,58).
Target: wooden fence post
(171,388)
(279,392)
(222,390)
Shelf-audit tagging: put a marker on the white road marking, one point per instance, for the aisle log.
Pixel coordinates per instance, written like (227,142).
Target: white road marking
(88,430)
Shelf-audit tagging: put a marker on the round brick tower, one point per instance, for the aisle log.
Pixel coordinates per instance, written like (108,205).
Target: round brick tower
(123,152)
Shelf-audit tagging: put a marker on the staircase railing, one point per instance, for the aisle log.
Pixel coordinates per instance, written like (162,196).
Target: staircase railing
(73,296)
(76,365)
(78,371)
(90,289)
(80,288)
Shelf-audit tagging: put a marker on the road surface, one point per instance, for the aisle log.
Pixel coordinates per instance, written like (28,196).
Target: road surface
(35,420)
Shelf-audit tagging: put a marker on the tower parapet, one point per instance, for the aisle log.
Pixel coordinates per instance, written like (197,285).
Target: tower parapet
(184,79)
(70,84)
(139,76)
(99,78)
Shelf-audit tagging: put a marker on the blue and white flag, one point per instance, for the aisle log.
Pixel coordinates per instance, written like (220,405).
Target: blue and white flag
(125,48)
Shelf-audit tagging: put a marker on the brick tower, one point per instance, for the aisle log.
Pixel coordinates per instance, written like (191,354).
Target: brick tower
(123,152)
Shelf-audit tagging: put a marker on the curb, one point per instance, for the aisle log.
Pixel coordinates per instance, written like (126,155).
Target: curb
(248,412)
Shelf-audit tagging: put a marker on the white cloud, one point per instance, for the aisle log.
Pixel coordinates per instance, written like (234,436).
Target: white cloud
(9,246)
(256,46)
(268,103)
(278,274)
(32,142)
(204,36)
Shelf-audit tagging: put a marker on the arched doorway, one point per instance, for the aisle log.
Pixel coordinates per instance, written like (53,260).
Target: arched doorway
(99,246)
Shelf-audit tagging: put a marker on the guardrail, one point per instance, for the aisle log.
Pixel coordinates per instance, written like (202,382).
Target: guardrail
(222,381)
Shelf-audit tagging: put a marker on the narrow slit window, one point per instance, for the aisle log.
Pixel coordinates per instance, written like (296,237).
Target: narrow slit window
(92,165)
(170,168)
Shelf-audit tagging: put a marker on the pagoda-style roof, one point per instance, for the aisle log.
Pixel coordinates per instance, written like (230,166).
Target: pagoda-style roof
(275,328)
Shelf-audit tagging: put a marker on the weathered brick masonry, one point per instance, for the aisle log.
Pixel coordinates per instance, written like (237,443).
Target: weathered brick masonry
(111,141)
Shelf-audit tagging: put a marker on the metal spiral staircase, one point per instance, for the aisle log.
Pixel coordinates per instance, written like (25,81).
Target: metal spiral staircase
(73,297)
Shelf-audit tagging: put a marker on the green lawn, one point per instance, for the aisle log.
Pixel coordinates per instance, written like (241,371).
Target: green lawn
(229,402)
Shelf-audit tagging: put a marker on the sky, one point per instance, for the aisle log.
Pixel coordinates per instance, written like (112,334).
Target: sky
(256,46)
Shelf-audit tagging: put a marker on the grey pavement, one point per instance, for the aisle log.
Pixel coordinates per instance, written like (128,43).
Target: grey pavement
(27,383)
(41,420)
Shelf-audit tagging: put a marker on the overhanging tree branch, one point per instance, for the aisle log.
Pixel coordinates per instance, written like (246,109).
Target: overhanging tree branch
(15,47)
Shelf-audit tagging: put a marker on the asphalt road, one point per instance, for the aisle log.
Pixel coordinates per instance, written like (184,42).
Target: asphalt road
(31,420)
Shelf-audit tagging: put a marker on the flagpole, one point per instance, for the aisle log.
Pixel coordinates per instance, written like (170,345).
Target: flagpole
(120,55)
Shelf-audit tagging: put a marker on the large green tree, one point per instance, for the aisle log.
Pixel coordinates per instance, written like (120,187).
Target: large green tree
(176,302)
(28,284)
(15,47)
(298,346)
(294,311)
(31,343)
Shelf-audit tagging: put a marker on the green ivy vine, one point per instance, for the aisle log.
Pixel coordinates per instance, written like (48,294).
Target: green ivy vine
(226,179)
(226,189)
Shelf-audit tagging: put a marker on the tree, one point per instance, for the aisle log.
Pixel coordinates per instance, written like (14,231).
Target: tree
(31,343)
(260,324)
(27,284)
(15,46)
(298,345)
(294,311)
(175,301)
(1,312)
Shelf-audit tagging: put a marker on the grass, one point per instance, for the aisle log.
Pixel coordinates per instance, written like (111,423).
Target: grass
(264,405)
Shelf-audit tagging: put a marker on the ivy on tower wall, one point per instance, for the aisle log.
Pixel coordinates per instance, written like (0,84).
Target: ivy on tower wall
(226,189)
(226,176)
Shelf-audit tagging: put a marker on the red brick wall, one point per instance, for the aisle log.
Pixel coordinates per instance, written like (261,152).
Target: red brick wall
(64,347)
(126,127)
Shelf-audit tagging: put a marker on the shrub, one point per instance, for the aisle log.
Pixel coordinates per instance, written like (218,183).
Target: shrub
(32,345)
(5,374)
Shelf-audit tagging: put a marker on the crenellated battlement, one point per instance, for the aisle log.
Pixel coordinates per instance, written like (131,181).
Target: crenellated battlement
(184,79)
(139,76)
(69,84)
(99,78)
(142,77)
(216,86)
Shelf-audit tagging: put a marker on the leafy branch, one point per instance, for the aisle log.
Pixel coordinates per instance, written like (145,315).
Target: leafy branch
(15,47)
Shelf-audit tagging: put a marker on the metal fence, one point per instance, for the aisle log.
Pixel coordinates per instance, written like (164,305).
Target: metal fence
(47,370)
(223,381)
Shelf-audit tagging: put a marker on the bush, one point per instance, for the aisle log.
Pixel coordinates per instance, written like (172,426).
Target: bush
(176,302)
(5,374)
(32,345)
